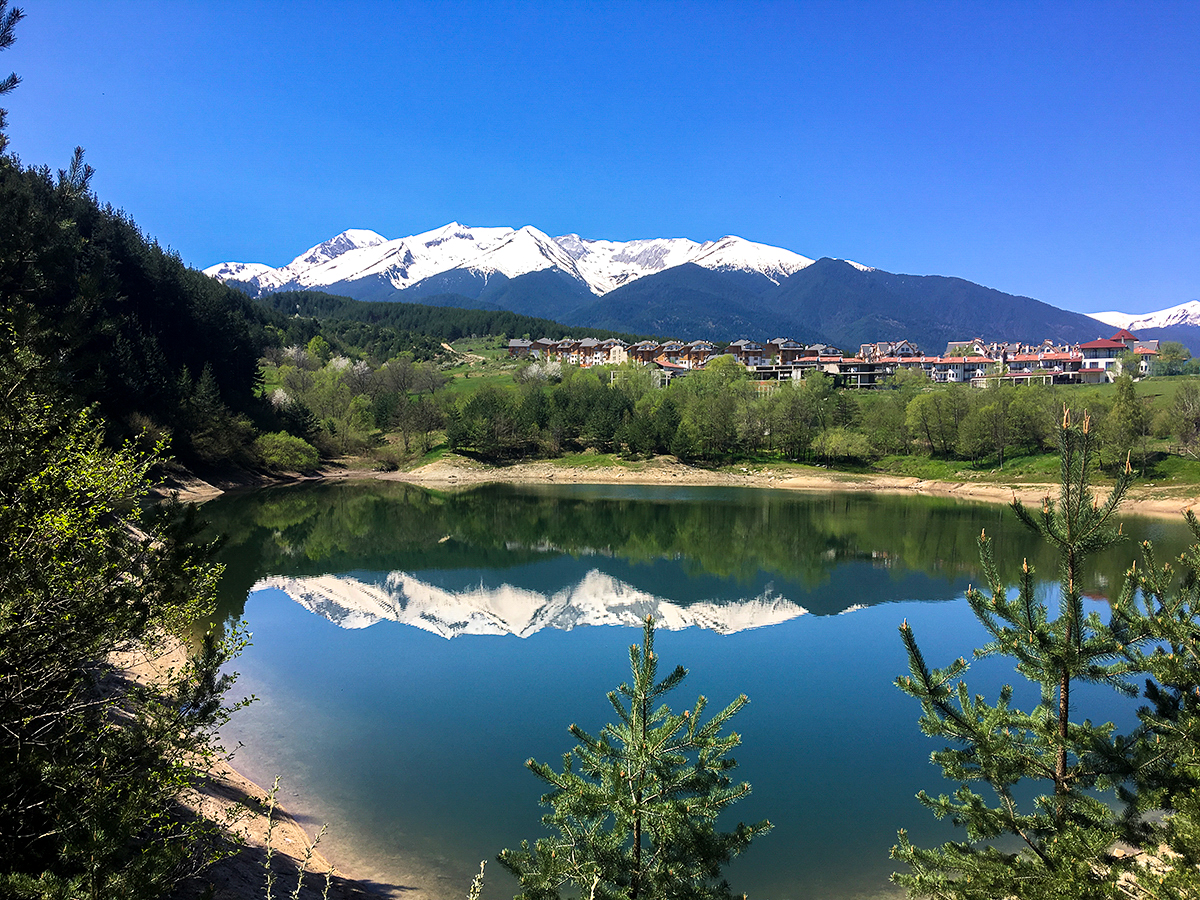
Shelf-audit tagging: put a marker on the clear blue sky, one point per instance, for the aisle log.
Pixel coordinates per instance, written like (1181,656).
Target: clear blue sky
(1047,149)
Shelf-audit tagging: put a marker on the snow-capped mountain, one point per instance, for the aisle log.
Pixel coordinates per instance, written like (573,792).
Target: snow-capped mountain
(717,290)
(264,279)
(598,599)
(368,260)
(609,264)
(1183,314)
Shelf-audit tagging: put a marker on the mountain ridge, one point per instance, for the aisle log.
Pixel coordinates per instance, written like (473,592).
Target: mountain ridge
(360,256)
(716,290)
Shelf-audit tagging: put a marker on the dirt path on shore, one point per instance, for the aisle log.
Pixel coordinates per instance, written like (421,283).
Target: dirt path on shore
(227,797)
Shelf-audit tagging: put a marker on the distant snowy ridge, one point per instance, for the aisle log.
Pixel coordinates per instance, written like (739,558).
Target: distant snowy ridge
(1183,314)
(598,599)
(358,255)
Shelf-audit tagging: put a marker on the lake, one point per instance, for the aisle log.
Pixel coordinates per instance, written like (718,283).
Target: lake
(411,649)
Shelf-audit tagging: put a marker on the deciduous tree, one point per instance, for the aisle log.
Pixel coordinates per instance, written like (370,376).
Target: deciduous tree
(93,764)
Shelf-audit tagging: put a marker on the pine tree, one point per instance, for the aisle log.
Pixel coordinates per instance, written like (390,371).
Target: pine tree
(1066,834)
(1167,762)
(634,810)
(8,25)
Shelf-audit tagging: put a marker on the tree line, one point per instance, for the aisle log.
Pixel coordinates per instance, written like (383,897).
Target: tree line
(717,413)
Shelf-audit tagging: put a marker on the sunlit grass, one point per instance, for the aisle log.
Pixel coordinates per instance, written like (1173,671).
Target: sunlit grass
(270,379)
(596,461)
(1037,468)
(466,381)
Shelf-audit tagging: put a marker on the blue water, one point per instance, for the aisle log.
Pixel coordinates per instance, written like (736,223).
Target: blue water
(412,746)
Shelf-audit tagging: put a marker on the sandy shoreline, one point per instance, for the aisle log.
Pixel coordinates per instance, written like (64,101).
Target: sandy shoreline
(227,797)
(242,877)
(453,471)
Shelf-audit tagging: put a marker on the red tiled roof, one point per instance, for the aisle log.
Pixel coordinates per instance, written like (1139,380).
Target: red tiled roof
(1124,335)
(1042,357)
(1102,344)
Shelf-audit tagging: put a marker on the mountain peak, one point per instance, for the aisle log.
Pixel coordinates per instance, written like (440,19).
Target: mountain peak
(1183,314)
(350,239)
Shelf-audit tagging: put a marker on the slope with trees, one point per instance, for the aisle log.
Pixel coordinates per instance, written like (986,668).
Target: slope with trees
(94,764)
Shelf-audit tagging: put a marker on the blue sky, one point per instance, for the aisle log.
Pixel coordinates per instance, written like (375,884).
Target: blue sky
(1047,149)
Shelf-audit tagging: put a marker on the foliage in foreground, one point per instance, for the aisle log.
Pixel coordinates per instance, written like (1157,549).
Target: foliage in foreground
(94,763)
(1066,837)
(635,809)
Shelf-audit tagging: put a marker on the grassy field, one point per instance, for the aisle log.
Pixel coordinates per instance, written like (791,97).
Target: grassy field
(1160,390)
(466,380)
(481,361)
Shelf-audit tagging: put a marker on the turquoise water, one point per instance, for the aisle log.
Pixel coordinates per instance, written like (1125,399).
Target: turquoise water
(411,650)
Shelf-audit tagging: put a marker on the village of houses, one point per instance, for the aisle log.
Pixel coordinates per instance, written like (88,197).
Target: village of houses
(975,361)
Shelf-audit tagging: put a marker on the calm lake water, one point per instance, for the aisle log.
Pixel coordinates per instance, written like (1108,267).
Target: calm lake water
(412,648)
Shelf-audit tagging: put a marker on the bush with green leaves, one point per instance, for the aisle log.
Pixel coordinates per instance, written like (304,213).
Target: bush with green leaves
(283,452)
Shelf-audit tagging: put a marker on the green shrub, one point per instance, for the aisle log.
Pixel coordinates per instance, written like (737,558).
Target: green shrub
(283,452)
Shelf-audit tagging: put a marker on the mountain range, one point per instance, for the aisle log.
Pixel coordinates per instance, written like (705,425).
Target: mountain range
(675,287)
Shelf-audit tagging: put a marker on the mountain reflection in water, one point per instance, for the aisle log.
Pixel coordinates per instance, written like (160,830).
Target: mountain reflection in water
(596,599)
(508,559)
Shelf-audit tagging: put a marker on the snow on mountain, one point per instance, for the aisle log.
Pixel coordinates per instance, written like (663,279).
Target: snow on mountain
(598,599)
(732,252)
(522,251)
(352,239)
(859,266)
(263,278)
(606,265)
(358,255)
(267,279)
(609,264)
(405,261)
(1183,314)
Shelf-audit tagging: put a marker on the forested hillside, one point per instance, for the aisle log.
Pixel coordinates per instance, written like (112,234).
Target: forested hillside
(438,319)
(93,766)
(128,326)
